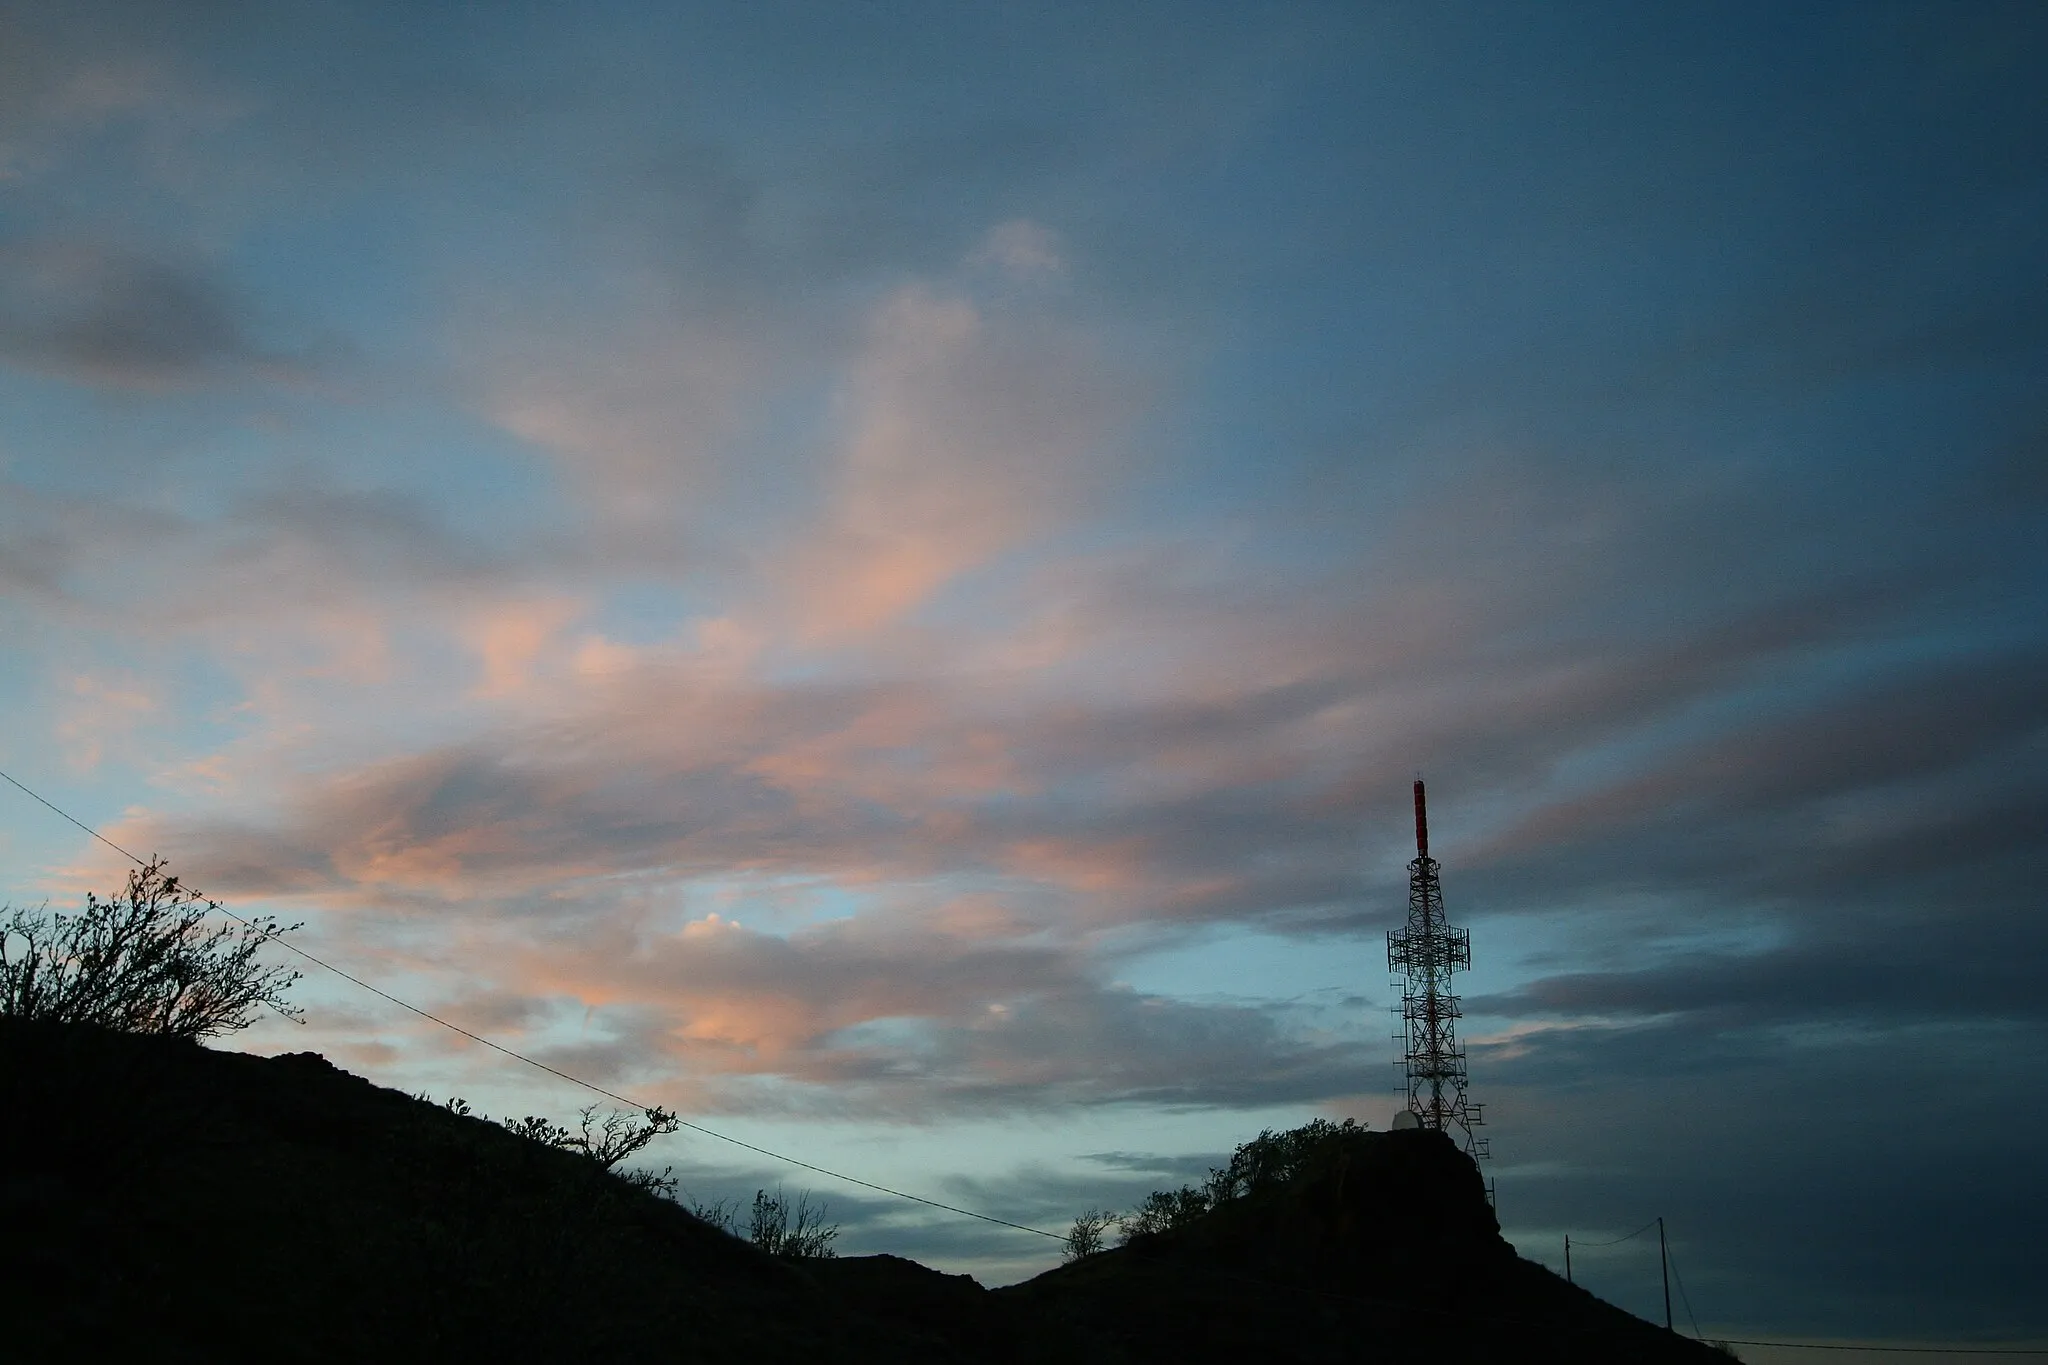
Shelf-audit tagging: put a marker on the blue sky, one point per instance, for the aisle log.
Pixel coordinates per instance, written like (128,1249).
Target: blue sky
(878,573)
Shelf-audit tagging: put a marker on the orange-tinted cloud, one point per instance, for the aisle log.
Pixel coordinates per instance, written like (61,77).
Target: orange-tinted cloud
(509,638)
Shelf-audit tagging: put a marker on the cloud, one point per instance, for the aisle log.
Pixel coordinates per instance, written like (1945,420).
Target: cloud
(120,319)
(1148,815)
(641,421)
(949,431)
(101,712)
(965,435)
(1021,246)
(509,639)
(280,553)
(906,1022)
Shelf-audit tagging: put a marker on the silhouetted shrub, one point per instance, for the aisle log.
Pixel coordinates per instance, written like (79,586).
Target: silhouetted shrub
(1163,1211)
(1272,1159)
(661,1184)
(774,1224)
(143,962)
(797,1231)
(722,1214)
(546,1132)
(618,1135)
(607,1140)
(1087,1235)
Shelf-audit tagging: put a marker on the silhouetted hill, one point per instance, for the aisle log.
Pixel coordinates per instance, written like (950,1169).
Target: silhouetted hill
(162,1201)
(1385,1248)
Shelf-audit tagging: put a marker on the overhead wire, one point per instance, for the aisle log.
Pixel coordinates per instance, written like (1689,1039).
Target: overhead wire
(1619,1240)
(1683,1297)
(596,1089)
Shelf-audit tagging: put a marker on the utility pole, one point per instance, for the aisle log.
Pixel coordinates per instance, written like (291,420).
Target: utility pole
(1664,1259)
(1568,1259)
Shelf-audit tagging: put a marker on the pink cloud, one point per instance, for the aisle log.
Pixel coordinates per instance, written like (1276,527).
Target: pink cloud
(99,711)
(510,637)
(964,433)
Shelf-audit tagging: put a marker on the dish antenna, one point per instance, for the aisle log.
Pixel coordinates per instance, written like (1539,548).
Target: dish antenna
(1406,1119)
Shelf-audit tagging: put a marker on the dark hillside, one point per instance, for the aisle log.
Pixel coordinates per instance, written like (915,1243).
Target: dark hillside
(1385,1248)
(162,1201)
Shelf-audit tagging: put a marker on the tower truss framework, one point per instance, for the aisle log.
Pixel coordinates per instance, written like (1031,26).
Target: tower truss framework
(1422,955)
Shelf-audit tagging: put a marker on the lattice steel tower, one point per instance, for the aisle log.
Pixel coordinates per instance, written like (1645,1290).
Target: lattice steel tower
(1423,954)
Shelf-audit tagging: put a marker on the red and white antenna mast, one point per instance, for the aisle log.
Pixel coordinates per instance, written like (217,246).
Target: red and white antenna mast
(1423,954)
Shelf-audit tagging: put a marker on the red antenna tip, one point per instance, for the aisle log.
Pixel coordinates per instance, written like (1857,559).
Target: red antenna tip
(1421,823)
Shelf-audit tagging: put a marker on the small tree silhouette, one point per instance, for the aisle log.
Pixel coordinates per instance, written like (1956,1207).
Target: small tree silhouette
(607,1140)
(1163,1211)
(546,1132)
(797,1231)
(722,1214)
(1088,1235)
(143,962)
(618,1135)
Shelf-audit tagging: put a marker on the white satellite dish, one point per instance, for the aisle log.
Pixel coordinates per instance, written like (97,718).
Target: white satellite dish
(1406,1119)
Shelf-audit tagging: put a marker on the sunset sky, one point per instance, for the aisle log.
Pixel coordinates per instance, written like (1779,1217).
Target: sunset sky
(878,573)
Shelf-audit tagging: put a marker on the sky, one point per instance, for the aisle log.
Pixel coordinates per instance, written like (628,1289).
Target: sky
(879,573)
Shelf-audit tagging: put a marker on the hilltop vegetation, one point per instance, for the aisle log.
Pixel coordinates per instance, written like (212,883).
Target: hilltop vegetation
(145,960)
(1266,1163)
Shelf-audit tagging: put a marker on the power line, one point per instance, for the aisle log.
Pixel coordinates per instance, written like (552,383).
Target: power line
(591,1086)
(1619,1240)
(80,823)
(1683,1297)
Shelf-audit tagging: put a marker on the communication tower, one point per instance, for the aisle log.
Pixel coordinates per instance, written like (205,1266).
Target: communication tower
(1423,954)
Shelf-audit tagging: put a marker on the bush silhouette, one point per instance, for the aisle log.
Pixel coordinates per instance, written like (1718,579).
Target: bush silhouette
(796,1231)
(1165,1210)
(1088,1234)
(142,962)
(1269,1161)
(1272,1159)
(607,1138)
